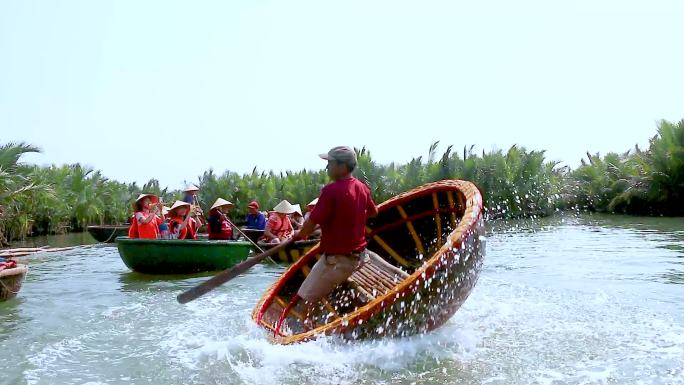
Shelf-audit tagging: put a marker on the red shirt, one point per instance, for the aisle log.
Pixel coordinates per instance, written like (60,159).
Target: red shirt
(341,212)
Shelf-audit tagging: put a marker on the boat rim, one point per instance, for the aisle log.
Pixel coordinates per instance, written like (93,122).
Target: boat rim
(197,242)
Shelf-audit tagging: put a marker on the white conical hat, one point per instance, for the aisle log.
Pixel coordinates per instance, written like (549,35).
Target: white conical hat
(298,209)
(153,198)
(284,207)
(165,210)
(313,203)
(191,188)
(221,202)
(178,204)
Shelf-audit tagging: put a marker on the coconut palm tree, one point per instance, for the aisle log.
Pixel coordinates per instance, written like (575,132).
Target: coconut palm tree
(16,190)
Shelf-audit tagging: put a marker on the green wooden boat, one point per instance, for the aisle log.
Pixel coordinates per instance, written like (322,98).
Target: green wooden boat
(108,233)
(152,256)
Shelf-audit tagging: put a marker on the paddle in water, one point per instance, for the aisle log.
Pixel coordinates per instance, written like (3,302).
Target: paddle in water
(228,274)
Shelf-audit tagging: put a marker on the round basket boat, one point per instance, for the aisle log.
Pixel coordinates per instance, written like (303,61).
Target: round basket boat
(108,233)
(179,256)
(11,281)
(253,234)
(431,245)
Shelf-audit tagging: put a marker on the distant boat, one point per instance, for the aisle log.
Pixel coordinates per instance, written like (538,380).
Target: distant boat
(163,256)
(108,233)
(431,246)
(11,281)
(253,234)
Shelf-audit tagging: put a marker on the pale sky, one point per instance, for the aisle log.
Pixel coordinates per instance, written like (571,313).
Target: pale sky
(168,89)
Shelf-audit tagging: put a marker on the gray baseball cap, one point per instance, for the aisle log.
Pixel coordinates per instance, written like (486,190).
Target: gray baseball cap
(342,154)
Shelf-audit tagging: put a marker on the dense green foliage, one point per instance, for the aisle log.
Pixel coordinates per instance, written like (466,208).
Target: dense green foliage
(649,182)
(17,190)
(516,182)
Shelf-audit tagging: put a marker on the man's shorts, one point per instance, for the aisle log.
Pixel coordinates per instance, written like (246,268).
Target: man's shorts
(330,271)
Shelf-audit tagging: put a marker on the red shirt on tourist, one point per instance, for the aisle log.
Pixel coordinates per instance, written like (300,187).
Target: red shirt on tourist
(342,210)
(149,230)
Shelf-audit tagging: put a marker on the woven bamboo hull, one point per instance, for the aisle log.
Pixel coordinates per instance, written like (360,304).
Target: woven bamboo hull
(291,253)
(108,233)
(11,281)
(433,233)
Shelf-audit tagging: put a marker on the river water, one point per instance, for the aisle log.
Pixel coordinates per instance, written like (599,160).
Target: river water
(564,300)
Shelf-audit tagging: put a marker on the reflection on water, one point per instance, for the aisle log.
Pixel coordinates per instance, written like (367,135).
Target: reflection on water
(63,240)
(132,281)
(674,276)
(563,300)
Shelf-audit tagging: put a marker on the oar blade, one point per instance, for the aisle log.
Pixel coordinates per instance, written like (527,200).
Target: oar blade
(226,275)
(216,281)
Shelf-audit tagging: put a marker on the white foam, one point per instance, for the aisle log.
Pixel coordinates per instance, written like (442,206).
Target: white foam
(50,355)
(251,356)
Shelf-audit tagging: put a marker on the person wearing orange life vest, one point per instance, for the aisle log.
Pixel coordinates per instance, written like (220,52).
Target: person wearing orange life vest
(181,223)
(145,221)
(219,225)
(279,227)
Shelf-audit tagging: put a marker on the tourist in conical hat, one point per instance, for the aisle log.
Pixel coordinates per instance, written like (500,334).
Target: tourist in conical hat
(309,209)
(190,196)
(297,218)
(255,219)
(181,223)
(146,218)
(279,227)
(219,224)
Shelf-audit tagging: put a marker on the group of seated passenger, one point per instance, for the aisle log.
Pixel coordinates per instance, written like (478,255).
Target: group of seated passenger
(153,220)
(285,219)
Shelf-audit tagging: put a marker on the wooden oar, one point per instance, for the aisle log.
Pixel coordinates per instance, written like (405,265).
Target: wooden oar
(228,274)
(249,239)
(201,219)
(243,234)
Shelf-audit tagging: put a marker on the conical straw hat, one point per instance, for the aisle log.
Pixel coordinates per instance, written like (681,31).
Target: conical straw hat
(153,199)
(313,203)
(191,188)
(298,209)
(221,202)
(178,204)
(284,207)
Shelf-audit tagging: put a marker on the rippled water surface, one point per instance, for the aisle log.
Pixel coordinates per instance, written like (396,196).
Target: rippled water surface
(589,300)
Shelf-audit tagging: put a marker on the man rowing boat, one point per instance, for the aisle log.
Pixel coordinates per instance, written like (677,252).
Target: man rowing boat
(342,210)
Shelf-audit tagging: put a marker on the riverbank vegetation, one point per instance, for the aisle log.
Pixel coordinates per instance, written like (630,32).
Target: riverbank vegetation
(516,182)
(644,182)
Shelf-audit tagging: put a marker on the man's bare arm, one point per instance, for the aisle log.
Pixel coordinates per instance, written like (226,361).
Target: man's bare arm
(306,230)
